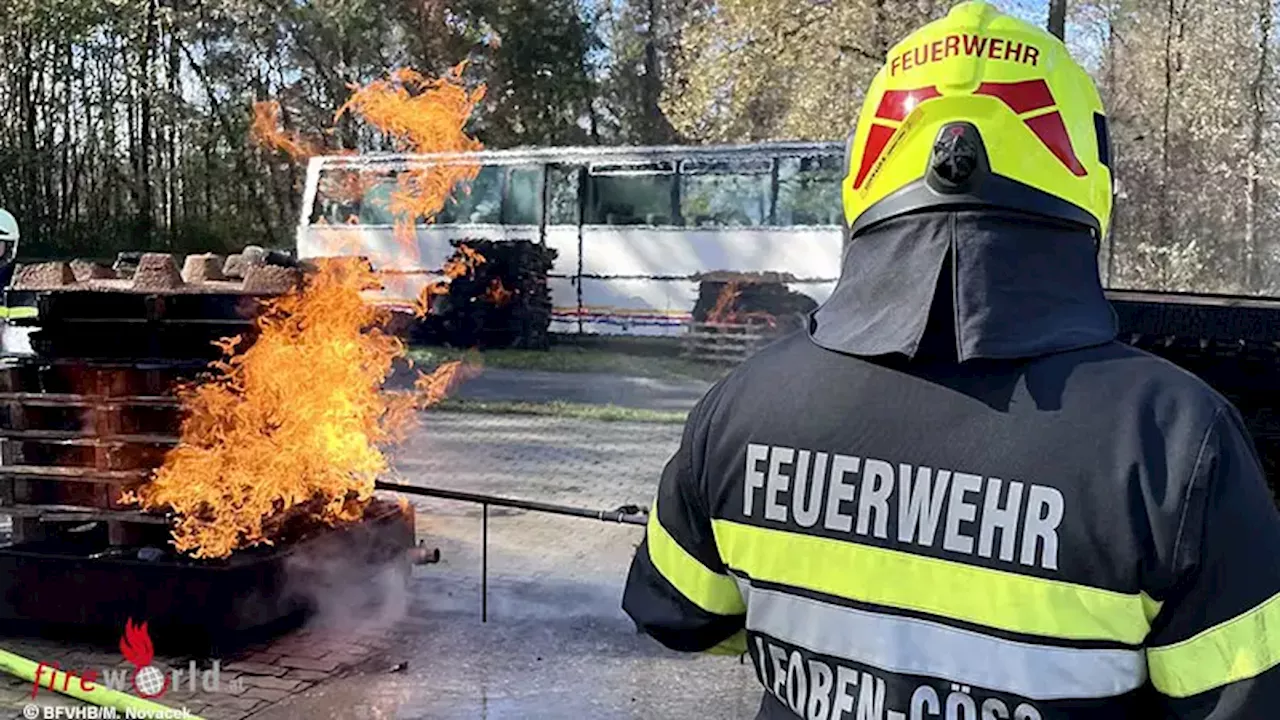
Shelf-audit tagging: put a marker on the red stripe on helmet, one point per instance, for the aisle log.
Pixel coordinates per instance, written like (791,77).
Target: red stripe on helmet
(896,104)
(1029,96)
(876,140)
(1053,133)
(1021,97)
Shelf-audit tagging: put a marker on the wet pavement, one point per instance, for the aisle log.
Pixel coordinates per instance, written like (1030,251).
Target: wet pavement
(556,643)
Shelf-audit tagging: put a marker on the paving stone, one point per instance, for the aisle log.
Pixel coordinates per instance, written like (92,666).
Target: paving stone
(271,683)
(232,702)
(11,696)
(253,668)
(223,713)
(263,657)
(305,649)
(347,657)
(309,664)
(307,675)
(266,694)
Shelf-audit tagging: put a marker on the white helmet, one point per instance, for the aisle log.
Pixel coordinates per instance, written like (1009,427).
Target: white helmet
(8,227)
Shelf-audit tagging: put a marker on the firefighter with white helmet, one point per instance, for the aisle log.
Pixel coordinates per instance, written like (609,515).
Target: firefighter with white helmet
(8,245)
(956,495)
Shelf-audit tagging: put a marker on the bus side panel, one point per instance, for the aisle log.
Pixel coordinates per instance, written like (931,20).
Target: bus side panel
(647,307)
(639,280)
(409,268)
(387,252)
(637,306)
(803,252)
(564,240)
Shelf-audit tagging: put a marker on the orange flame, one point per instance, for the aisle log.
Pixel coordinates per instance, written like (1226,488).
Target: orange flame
(726,301)
(422,115)
(440,384)
(294,424)
(135,645)
(463,263)
(726,311)
(497,294)
(266,131)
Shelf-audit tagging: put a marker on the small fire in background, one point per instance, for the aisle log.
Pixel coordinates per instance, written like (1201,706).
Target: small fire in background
(497,293)
(291,429)
(463,264)
(726,310)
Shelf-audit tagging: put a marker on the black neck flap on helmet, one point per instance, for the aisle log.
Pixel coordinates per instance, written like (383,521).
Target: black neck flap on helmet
(1023,272)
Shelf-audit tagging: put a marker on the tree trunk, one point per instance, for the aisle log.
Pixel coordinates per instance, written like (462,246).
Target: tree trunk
(1058,18)
(1166,112)
(1253,189)
(657,129)
(146,216)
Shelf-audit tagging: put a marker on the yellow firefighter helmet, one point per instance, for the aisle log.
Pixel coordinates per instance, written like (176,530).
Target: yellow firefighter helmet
(980,109)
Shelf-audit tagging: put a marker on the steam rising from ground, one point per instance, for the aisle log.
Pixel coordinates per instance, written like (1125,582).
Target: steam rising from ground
(350,593)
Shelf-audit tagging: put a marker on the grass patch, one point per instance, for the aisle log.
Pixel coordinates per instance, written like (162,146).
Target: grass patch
(576,360)
(604,413)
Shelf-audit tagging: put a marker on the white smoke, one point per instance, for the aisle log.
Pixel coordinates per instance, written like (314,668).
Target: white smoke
(356,582)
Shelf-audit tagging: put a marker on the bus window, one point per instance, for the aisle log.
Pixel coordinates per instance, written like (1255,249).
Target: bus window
(809,190)
(481,206)
(523,203)
(375,209)
(633,195)
(338,197)
(725,193)
(562,200)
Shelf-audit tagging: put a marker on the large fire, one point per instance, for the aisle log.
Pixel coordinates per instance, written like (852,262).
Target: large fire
(292,426)
(294,423)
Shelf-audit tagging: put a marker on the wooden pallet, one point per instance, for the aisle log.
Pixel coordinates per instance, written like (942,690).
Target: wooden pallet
(724,343)
(75,437)
(48,501)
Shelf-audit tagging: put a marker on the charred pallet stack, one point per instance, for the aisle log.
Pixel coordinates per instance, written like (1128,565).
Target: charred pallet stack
(504,302)
(89,413)
(737,313)
(726,342)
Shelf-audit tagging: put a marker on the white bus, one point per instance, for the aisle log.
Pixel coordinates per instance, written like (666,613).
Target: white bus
(632,227)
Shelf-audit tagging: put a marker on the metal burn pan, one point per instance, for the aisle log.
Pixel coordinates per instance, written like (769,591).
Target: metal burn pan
(88,590)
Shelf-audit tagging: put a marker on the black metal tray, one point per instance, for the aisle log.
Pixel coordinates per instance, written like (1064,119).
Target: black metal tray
(193,607)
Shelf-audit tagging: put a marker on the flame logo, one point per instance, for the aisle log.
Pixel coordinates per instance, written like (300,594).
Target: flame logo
(148,680)
(136,644)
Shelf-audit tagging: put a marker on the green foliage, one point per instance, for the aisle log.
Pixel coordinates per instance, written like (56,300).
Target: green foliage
(127,123)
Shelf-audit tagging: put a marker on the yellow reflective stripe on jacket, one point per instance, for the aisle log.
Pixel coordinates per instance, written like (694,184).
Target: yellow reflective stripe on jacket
(994,598)
(709,590)
(18,312)
(1241,648)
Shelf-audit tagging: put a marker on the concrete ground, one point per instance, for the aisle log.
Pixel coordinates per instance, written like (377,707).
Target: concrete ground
(556,644)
